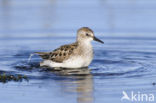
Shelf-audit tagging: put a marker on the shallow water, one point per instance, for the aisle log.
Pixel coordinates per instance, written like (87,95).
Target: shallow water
(126,62)
(115,68)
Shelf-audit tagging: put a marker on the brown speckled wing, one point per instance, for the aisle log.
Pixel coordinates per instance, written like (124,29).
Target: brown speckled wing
(60,54)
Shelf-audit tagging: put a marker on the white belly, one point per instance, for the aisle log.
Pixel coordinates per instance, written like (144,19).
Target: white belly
(74,62)
(77,62)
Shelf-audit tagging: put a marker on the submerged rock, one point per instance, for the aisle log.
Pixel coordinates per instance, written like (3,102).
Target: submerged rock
(4,78)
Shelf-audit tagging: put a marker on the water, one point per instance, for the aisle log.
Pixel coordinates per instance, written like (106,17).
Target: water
(126,62)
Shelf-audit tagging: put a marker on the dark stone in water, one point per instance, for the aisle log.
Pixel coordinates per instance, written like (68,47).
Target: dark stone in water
(4,78)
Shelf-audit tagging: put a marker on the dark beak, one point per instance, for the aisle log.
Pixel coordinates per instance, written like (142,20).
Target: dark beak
(98,40)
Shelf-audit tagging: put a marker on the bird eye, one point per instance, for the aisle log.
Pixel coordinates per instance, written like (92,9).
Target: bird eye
(87,34)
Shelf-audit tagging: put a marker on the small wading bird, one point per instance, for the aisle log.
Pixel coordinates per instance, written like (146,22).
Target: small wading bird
(75,55)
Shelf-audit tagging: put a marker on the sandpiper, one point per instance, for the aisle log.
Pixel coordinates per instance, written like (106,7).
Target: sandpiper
(76,55)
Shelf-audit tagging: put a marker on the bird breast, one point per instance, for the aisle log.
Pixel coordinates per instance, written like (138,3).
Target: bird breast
(87,54)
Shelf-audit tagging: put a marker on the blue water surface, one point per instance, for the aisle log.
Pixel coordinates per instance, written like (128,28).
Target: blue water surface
(126,62)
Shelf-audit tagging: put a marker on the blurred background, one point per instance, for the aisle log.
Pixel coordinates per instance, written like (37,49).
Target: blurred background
(59,17)
(126,62)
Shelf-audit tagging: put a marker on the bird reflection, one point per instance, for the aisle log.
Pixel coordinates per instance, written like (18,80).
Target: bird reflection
(80,82)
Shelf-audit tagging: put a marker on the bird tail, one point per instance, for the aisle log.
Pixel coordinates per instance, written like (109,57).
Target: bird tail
(43,55)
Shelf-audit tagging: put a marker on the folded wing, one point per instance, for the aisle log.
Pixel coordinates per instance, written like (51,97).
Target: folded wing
(60,54)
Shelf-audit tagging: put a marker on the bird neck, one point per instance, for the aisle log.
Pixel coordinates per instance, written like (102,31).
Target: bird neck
(85,44)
